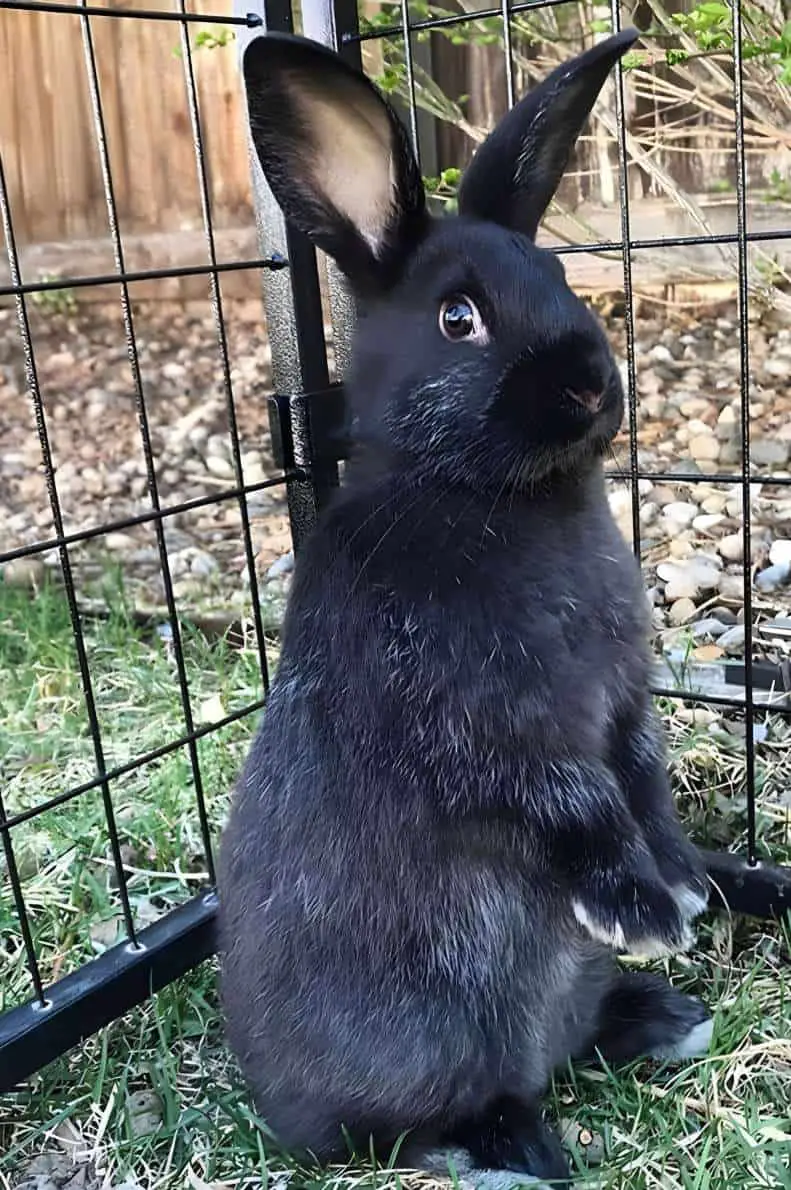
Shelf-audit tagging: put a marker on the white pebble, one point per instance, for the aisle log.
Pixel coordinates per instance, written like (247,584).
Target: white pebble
(282,565)
(710,627)
(681,611)
(780,551)
(119,541)
(704,448)
(714,503)
(706,521)
(620,501)
(680,547)
(773,577)
(219,466)
(700,716)
(696,574)
(693,407)
(681,512)
(732,641)
(732,547)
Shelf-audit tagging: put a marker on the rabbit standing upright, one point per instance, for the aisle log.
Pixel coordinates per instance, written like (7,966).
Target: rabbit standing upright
(456,809)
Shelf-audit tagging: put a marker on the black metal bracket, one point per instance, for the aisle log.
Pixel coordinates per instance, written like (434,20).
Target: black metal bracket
(766,675)
(309,438)
(104,989)
(309,428)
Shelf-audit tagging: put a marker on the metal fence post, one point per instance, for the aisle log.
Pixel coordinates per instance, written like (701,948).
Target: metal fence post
(326,21)
(292,303)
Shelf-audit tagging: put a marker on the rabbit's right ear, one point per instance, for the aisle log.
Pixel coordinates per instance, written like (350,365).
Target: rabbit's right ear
(335,155)
(516,171)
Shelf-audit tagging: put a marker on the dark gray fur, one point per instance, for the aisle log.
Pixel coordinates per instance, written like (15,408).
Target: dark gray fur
(459,745)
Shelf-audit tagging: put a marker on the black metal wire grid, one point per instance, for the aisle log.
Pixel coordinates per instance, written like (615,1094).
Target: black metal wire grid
(77,1005)
(749,884)
(59,1014)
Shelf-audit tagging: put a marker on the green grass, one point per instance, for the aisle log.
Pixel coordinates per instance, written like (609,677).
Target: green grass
(720,1123)
(46,748)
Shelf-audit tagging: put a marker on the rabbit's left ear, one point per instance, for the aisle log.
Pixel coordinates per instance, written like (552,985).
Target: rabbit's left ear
(335,155)
(517,169)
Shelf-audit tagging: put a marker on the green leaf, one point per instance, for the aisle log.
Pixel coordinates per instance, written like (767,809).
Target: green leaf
(631,60)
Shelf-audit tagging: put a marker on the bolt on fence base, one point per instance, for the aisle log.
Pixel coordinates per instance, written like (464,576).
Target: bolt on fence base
(761,889)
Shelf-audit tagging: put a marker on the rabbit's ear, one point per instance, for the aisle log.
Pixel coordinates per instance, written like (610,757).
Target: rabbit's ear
(335,155)
(517,169)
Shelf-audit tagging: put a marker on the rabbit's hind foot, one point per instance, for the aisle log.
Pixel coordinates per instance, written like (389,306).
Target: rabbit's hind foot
(507,1145)
(643,1016)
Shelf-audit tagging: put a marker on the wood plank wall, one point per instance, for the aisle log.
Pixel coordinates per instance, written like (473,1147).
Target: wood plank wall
(47,135)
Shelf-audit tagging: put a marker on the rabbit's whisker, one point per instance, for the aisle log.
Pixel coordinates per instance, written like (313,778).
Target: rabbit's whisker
(490,514)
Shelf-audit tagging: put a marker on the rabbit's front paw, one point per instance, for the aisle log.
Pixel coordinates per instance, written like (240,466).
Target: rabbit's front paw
(683,870)
(691,898)
(634,914)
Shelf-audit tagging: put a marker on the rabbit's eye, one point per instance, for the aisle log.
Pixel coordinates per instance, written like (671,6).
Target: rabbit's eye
(460,319)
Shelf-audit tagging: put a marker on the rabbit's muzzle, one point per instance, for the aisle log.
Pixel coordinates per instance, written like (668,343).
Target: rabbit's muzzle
(563,390)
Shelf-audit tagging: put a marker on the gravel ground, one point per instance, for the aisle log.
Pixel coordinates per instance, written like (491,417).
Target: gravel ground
(89,398)
(688,381)
(691,538)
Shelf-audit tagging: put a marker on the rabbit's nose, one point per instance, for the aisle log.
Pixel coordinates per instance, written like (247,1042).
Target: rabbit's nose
(590,399)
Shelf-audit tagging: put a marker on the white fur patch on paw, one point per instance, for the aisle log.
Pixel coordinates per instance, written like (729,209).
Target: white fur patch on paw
(693,1045)
(650,948)
(443,1161)
(690,902)
(502,1179)
(614,938)
(644,948)
(656,948)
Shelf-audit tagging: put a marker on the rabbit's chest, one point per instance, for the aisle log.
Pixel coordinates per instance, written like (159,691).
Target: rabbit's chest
(531,666)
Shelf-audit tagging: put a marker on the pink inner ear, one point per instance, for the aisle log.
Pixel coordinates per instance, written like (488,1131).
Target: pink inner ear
(351,164)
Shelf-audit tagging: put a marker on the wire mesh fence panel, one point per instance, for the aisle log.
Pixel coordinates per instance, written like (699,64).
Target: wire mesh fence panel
(164,454)
(145,510)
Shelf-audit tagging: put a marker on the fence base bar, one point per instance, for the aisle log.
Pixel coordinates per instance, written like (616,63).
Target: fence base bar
(756,890)
(104,989)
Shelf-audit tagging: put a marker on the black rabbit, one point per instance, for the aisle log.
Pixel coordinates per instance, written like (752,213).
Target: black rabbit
(456,810)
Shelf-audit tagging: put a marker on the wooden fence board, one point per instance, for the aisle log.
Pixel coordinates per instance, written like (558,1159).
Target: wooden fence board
(47,134)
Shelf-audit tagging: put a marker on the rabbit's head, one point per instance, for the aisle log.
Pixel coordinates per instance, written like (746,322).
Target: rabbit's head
(473,358)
